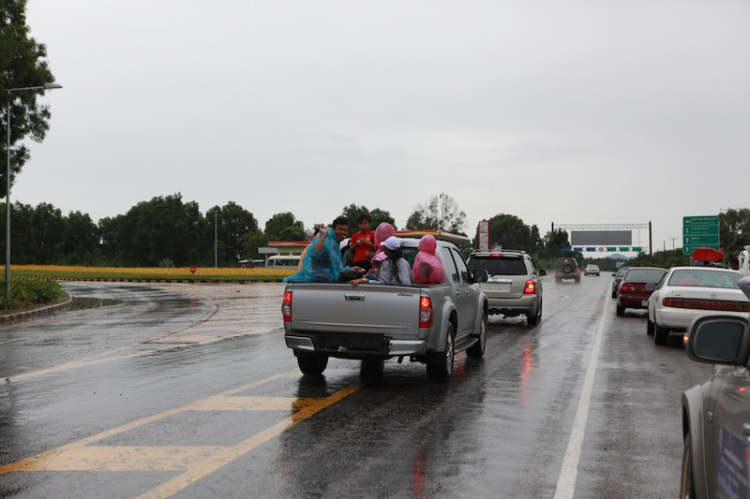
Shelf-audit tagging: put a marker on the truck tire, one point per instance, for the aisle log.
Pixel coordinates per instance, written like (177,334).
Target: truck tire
(477,349)
(440,369)
(312,364)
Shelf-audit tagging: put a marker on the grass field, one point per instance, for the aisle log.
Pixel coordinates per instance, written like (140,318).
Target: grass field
(150,273)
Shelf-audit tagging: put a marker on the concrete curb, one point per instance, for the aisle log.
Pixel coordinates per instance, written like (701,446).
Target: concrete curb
(39,312)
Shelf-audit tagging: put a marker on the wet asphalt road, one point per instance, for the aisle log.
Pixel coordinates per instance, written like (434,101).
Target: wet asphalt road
(188,391)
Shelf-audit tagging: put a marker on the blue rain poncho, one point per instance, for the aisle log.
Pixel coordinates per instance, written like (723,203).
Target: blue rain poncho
(321,266)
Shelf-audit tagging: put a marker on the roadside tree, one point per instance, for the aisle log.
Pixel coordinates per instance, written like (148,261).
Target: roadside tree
(352,213)
(285,227)
(23,64)
(81,240)
(232,224)
(440,213)
(509,231)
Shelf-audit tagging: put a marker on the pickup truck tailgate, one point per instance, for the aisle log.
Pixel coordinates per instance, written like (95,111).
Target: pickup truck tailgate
(383,309)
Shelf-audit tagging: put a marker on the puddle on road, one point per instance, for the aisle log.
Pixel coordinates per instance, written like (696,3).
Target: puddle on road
(84,303)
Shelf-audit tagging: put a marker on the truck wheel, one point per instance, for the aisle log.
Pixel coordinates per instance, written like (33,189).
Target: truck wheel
(312,364)
(477,349)
(687,483)
(441,368)
(661,335)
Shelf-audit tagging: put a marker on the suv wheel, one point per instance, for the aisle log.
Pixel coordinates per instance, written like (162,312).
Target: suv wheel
(533,318)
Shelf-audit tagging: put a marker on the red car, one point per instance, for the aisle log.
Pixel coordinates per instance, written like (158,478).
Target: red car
(632,292)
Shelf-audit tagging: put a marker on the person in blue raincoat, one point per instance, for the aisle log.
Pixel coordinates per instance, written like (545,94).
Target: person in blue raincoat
(322,262)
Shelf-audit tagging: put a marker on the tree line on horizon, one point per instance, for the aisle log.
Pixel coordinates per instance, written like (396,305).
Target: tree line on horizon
(168,231)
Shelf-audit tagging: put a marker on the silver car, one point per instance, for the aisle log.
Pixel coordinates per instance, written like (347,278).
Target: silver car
(514,286)
(716,414)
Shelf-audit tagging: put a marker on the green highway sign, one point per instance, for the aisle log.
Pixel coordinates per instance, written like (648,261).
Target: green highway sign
(700,232)
(701,229)
(637,248)
(703,240)
(706,220)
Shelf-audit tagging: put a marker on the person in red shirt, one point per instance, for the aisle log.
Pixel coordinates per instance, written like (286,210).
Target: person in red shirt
(362,242)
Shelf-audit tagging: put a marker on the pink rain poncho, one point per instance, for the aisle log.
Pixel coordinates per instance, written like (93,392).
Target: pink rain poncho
(321,266)
(383,231)
(427,268)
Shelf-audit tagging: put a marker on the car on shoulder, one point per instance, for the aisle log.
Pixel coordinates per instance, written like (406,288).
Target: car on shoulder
(591,269)
(715,414)
(617,278)
(689,292)
(514,286)
(567,268)
(632,292)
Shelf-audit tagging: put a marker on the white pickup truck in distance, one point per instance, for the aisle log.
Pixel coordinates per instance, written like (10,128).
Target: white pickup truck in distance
(426,323)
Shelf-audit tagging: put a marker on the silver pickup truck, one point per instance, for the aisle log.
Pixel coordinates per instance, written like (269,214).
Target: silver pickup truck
(426,323)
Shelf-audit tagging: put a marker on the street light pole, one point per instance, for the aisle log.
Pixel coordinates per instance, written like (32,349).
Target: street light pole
(46,86)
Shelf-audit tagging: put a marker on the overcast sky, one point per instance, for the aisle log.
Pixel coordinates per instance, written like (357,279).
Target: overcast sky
(572,112)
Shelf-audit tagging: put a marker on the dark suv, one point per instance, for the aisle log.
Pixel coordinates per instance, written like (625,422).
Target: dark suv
(567,268)
(514,286)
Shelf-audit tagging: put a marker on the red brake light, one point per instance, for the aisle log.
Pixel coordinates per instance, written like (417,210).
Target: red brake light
(425,312)
(530,288)
(695,303)
(286,306)
(496,255)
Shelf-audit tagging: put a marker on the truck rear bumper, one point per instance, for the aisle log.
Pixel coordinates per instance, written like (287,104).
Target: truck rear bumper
(393,348)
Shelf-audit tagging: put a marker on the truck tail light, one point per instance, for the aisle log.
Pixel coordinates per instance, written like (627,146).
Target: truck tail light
(530,288)
(425,312)
(286,306)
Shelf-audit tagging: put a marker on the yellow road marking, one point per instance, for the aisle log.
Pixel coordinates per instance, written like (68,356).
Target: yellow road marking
(197,462)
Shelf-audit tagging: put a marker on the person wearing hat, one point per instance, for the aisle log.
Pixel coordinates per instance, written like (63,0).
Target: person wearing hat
(394,269)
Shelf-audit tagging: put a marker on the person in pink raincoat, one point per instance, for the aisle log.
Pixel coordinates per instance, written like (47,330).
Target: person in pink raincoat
(427,268)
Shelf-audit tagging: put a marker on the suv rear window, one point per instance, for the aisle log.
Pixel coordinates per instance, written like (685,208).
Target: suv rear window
(498,265)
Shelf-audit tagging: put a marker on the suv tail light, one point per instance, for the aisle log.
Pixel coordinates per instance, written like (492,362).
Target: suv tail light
(425,312)
(286,306)
(530,288)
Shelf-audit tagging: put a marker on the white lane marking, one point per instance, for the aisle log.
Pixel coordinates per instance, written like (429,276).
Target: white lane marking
(566,482)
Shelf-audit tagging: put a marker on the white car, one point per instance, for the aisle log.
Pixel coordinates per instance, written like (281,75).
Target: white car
(591,269)
(685,293)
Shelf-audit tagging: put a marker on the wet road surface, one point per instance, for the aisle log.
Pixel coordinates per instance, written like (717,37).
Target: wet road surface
(189,391)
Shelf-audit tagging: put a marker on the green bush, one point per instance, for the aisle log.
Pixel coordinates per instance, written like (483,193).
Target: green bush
(25,292)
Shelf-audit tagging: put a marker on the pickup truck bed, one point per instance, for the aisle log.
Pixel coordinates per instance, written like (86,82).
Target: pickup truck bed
(428,323)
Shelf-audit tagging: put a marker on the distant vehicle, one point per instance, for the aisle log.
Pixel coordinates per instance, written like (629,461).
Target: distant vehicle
(617,278)
(514,286)
(689,292)
(632,292)
(591,269)
(744,261)
(283,262)
(715,414)
(567,268)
